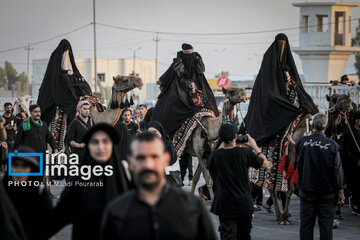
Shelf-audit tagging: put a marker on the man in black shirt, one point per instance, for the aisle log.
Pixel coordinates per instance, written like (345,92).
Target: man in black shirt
(320,180)
(131,126)
(35,133)
(229,166)
(10,125)
(78,127)
(156,210)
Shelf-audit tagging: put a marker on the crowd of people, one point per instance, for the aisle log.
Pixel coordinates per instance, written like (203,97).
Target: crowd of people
(141,197)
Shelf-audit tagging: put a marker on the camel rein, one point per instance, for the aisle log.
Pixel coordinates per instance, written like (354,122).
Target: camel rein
(352,134)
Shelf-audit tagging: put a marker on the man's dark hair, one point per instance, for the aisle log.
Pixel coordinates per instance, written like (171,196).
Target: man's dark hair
(127,110)
(32,107)
(146,137)
(227,132)
(143,105)
(7,104)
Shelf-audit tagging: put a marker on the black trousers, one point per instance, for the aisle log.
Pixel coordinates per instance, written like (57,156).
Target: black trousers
(186,163)
(316,205)
(257,194)
(235,228)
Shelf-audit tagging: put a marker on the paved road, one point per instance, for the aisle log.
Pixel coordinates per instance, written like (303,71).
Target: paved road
(266,228)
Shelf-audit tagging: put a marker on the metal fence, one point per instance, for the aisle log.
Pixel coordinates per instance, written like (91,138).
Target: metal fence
(318,93)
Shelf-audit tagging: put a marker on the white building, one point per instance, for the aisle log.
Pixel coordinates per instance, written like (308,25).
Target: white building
(325,39)
(106,69)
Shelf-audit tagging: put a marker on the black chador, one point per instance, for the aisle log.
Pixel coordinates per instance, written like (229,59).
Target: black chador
(62,85)
(184,91)
(278,95)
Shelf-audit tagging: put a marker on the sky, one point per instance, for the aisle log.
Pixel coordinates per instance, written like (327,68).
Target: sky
(24,21)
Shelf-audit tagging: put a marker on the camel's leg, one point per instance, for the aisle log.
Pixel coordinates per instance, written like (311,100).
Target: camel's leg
(276,205)
(196,178)
(207,177)
(285,215)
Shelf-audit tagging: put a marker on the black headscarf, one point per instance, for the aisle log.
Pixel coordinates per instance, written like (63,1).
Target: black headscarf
(83,206)
(270,109)
(56,89)
(118,182)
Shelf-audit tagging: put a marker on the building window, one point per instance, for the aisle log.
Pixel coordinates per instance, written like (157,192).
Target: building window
(349,24)
(339,28)
(322,23)
(305,24)
(101,77)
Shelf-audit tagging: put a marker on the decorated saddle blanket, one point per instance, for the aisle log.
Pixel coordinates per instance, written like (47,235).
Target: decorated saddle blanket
(183,134)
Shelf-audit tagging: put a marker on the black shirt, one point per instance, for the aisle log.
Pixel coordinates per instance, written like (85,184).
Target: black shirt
(229,169)
(10,132)
(36,137)
(177,215)
(132,128)
(76,131)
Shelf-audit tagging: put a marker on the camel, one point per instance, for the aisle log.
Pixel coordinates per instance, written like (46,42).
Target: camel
(122,85)
(233,96)
(339,106)
(198,145)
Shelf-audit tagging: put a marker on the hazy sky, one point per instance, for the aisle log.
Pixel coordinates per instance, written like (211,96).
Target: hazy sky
(23,21)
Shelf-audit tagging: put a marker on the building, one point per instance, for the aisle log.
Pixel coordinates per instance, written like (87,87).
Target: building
(325,39)
(106,69)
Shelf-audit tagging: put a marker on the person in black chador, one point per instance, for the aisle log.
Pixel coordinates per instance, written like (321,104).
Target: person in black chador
(31,201)
(62,84)
(83,205)
(278,96)
(184,91)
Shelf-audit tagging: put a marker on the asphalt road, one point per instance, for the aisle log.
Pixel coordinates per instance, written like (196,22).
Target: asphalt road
(266,228)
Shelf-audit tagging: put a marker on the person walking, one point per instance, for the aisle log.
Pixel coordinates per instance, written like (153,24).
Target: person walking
(320,180)
(155,210)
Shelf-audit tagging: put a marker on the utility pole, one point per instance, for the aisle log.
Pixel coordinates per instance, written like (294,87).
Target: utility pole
(156,40)
(94,22)
(220,59)
(28,49)
(134,56)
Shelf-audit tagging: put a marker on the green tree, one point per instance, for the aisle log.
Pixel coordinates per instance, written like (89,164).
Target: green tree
(2,77)
(11,74)
(22,78)
(356,42)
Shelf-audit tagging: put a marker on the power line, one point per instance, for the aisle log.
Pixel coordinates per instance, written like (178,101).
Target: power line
(219,34)
(46,40)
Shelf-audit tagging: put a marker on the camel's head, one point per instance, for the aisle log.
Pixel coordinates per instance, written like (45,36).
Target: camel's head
(339,102)
(235,95)
(127,83)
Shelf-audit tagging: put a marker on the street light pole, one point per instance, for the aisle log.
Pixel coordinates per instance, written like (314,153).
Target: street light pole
(220,59)
(28,49)
(156,40)
(134,57)
(94,23)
